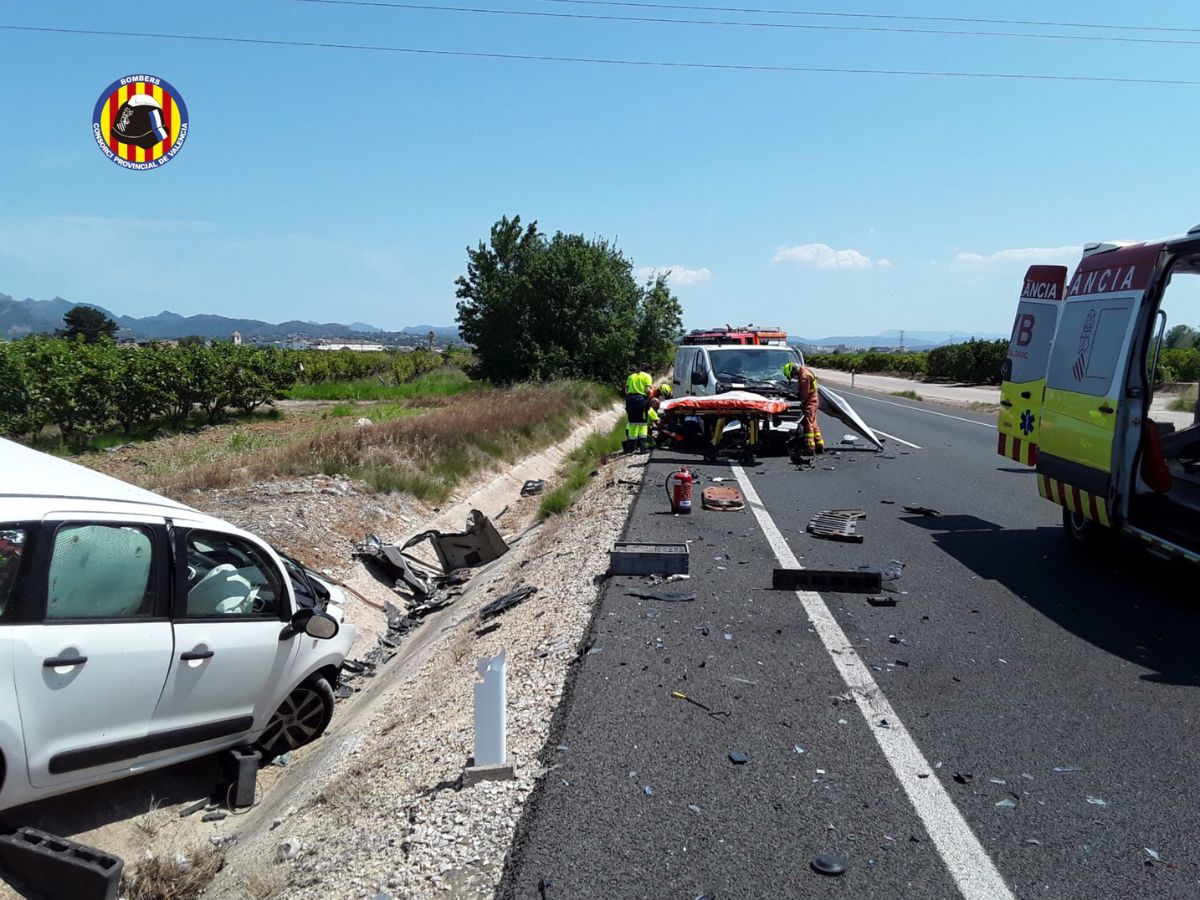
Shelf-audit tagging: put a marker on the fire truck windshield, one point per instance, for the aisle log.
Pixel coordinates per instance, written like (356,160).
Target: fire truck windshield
(751,363)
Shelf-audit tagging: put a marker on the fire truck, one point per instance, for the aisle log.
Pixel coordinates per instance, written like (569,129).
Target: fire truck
(747,335)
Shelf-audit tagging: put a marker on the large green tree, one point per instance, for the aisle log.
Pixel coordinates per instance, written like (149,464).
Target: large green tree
(88,322)
(540,308)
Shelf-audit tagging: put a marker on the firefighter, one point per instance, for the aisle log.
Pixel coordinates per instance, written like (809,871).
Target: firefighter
(637,402)
(811,439)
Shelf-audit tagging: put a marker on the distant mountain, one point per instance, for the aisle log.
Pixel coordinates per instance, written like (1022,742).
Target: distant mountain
(913,340)
(22,317)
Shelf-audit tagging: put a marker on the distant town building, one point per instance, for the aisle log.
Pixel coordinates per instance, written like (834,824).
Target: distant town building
(363,346)
(237,339)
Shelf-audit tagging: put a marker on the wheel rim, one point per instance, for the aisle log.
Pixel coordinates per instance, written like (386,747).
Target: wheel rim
(297,721)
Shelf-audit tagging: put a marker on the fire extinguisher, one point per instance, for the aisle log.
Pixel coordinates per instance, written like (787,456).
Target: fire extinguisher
(679,490)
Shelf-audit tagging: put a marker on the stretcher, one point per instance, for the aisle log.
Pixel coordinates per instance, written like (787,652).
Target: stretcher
(750,412)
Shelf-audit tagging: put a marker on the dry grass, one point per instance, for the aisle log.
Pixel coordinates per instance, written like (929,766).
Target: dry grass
(183,877)
(425,456)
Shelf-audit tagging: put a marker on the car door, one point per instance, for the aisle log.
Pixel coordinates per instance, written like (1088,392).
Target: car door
(1023,378)
(1085,392)
(702,373)
(230,666)
(681,378)
(91,643)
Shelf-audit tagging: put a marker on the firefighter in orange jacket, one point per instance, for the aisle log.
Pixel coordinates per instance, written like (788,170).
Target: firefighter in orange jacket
(811,439)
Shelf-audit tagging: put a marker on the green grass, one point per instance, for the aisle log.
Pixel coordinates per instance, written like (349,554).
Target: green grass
(1182,404)
(581,462)
(438,383)
(909,395)
(51,441)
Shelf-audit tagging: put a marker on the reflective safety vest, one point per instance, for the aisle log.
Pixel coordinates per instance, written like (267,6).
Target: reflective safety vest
(638,383)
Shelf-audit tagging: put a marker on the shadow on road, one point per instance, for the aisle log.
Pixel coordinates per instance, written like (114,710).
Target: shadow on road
(1129,604)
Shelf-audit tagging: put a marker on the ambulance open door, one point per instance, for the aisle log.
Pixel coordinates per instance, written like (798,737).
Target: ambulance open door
(1024,374)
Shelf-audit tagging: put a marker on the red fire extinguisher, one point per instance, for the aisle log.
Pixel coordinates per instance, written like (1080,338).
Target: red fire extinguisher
(679,490)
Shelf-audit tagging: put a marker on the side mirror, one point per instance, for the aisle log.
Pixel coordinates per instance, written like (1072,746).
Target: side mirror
(310,622)
(321,625)
(699,378)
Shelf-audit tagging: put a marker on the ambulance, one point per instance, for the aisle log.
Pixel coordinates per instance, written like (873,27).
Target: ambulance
(1077,393)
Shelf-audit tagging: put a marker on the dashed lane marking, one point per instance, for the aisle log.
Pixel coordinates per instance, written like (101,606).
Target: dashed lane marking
(968,863)
(928,412)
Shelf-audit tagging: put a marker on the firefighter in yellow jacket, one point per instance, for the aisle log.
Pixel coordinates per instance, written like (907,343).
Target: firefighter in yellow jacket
(637,402)
(811,439)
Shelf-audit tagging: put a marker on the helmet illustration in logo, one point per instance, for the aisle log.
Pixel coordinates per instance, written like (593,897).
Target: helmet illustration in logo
(139,122)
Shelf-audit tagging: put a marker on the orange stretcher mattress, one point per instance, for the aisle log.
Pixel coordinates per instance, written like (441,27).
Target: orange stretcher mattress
(731,403)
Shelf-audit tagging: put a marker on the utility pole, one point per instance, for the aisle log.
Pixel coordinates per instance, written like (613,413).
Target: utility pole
(901,340)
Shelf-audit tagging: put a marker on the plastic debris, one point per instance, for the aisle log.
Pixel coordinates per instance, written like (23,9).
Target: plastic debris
(849,438)
(694,808)
(1007,803)
(722,499)
(738,758)
(963,777)
(837,525)
(728,636)
(1064,769)
(648,791)
(1153,854)
(535,486)
(663,596)
(997,781)
(288,849)
(882,601)
(1097,801)
(798,749)
(828,864)
(214,816)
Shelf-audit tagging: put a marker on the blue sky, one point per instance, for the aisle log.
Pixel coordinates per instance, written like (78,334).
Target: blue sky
(335,185)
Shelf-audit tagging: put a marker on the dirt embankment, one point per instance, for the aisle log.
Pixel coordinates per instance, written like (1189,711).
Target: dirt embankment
(372,807)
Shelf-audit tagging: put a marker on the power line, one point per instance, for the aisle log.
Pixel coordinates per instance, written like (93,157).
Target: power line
(728,23)
(879,16)
(594,60)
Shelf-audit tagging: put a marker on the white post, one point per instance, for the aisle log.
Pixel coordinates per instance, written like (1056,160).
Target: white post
(491,713)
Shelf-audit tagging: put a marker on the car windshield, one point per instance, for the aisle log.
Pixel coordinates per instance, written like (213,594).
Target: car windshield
(751,363)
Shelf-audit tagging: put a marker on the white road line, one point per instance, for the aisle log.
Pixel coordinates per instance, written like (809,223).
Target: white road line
(892,437)
(968,863)
(928,412)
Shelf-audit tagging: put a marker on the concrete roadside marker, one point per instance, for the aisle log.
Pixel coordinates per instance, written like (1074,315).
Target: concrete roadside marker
(968,863)
(490,762)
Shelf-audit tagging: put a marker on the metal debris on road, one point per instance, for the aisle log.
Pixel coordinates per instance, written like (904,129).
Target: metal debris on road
(534,486)
(921,510)
(828,864)
(480,543)
(680,695)
(861,582)
(738,758)
(512,598)
(837,525)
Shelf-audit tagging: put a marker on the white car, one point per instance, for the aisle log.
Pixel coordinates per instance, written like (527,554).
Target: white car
(136,632)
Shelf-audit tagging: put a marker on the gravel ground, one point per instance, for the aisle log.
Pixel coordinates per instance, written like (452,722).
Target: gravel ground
(377,808)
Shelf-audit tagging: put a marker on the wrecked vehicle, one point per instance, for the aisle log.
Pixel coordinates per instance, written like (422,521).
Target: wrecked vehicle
(751,361)
(140,633)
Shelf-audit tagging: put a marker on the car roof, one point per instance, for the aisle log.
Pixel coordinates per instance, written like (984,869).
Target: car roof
(27,473)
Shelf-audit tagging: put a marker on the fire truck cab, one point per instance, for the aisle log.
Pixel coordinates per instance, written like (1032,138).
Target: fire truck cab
(1079,387)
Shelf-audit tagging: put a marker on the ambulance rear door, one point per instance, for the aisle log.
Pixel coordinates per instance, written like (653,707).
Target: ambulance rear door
(1024,373)
(1085,380)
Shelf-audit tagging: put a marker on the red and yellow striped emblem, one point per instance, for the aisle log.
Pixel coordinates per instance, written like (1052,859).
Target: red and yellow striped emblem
(1088,505)
(108,117)
(1017,450)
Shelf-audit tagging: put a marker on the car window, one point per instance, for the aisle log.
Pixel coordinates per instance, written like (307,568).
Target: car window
(101,572)
(230,577)
(12,544)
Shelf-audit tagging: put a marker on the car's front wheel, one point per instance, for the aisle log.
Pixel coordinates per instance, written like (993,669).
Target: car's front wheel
(301,718)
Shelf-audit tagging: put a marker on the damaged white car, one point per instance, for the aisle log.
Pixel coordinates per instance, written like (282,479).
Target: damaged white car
(136,632)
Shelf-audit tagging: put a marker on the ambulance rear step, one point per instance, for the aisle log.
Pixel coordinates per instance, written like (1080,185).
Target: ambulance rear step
(1160,546)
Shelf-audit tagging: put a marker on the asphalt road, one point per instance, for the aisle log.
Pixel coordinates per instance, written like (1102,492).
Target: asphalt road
(1005,659)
